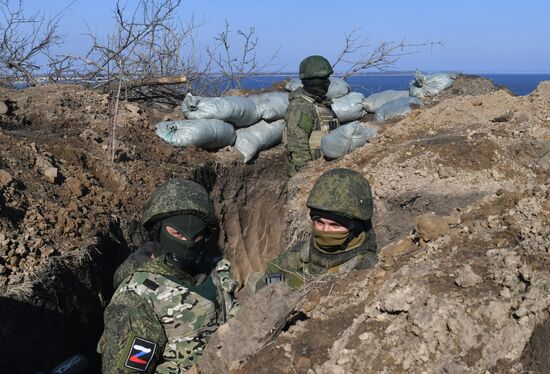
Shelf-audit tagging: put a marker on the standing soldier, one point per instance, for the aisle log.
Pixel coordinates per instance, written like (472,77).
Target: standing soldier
(343,237)
(170,295)
(309,116)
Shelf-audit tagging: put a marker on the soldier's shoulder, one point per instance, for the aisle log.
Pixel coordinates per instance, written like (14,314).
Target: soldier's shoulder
(293,254)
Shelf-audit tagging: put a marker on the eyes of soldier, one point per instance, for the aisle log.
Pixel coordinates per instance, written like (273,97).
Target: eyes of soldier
(325,224)
(176,234)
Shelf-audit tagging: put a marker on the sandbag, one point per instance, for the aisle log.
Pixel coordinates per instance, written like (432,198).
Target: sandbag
(345,139)
(338,87)
(430,85)
(271,106)
(350,107)
(237,110)
(258,137)
(395,108)
(204,133)
(373,102)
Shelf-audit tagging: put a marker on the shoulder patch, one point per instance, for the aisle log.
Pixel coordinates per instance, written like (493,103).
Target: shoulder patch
(150,284)
(141,353)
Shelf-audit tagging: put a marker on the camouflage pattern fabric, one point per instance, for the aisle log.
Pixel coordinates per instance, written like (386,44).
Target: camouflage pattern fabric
(342,191)
(302,263)
(302,119)
(163,305)
(179,196)
(315,67)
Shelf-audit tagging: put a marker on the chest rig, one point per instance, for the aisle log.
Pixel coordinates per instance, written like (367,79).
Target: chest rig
(189,313)
(326,121)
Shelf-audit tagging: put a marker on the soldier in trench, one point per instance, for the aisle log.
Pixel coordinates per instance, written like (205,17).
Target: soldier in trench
(309,115)
(170,294)
(342,239)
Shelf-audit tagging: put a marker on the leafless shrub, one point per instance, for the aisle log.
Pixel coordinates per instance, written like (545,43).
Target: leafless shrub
(359,55)
(231,69)
(24,39)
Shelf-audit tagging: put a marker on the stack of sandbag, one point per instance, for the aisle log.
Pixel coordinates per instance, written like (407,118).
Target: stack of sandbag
(396,108)
(430,85)
(263,135)
(349,107)
(373,102)
(337,88)
(237,110)
(345,139)
(270,106)
(204,133)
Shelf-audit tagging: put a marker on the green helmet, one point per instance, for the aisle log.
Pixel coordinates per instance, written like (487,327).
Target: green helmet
(179,196)
(344,192)
(315,67)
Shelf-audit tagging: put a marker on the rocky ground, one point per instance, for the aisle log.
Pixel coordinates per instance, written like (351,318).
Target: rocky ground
(463,289)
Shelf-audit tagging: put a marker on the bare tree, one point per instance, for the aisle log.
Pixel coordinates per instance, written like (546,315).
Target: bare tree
(24,39)
(359,55)
(231,68)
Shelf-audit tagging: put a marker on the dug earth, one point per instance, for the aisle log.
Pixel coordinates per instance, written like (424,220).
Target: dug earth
(462,215)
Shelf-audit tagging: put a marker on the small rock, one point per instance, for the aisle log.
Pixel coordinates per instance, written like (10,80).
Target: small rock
(21,250)
(366,336)
(445,172)
(467,277)
(75,186)
(2,269)
(431,226)
(3,108)
(5,177)
(51,174)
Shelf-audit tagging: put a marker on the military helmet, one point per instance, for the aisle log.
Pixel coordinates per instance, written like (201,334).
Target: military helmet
(179,196)
(344,192)
(315,67)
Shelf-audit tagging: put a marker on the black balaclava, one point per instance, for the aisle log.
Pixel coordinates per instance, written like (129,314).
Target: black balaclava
(183,253)
(316,86)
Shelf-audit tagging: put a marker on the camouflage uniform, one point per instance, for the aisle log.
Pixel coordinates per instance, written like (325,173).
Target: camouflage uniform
(341,191)
(161,316)
(308,118)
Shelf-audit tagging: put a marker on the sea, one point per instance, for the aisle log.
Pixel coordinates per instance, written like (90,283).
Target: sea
(519,84)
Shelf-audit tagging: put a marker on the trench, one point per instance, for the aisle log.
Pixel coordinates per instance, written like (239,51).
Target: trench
(62,312)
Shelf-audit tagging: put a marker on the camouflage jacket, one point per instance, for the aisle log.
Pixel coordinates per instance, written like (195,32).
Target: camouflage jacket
(160,318)
(308,118)
(302,263)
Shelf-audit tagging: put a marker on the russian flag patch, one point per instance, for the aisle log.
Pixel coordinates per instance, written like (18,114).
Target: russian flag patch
(141,353)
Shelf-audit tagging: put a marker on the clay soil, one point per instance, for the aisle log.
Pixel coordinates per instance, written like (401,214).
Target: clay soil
(475,156)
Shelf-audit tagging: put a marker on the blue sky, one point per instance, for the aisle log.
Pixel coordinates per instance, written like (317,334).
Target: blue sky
(479,36)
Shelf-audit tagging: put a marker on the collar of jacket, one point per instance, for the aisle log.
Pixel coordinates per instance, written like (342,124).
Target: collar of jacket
(162,266)
(300,92)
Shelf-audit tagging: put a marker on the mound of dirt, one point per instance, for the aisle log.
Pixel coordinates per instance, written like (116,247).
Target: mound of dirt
(463,289)
(70,209)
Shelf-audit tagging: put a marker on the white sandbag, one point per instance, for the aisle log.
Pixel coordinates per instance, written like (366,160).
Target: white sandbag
(430,85)
(271,106)
(258,137)
(204,133)
(345,139)
(375,101)
(237,110)
(337,88)
(350,107)
(395,108)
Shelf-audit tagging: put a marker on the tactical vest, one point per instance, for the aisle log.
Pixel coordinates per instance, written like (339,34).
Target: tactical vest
(308,271)
(188,313)
(327,122)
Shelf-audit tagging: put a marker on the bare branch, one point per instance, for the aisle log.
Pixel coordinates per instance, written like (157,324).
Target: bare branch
(359,55)
(24,39)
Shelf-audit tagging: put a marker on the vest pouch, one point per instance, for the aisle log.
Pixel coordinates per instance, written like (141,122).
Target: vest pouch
(315,143)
